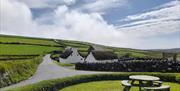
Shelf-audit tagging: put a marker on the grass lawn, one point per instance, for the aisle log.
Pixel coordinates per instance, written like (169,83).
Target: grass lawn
(109,86)
(9,49)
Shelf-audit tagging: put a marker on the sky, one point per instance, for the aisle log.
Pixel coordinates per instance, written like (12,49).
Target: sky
(140,24)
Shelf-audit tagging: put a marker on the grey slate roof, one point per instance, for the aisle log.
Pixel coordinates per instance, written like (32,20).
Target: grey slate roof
(66,53)
(104,55)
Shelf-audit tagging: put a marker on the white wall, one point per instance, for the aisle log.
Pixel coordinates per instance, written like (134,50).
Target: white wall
(90,58)
(73,58)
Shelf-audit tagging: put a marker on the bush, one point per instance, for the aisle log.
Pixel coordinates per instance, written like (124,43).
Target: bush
(57,84)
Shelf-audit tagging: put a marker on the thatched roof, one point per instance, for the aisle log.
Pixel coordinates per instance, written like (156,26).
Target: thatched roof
(104,55)
(66,53)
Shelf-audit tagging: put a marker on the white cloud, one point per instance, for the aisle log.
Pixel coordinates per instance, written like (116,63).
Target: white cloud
(86,27)
(47,3)
(102,5)
(171,11)
(162,20)
(16,18)
(69,2)
(36,3)
(68,24)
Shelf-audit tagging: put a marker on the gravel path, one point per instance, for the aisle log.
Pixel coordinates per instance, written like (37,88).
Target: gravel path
(49,70)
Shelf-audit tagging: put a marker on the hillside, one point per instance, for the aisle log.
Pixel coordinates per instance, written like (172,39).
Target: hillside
(39,45)
(173,50)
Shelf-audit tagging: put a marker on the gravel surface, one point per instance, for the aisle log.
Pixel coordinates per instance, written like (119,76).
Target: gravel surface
(49,70)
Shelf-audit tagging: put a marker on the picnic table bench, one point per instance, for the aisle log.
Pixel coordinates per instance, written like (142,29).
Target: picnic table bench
(151,83)
(126,85)
(161,88)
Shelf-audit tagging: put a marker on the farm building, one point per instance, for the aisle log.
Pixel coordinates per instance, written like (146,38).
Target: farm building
(71,55)
(101,56)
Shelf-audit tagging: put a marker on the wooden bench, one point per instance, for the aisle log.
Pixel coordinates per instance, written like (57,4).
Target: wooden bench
(126,85)
(161,88)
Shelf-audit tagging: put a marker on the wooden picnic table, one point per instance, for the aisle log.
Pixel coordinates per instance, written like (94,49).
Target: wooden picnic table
(143,78)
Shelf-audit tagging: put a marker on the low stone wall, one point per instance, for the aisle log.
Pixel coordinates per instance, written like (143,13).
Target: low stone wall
(132,66)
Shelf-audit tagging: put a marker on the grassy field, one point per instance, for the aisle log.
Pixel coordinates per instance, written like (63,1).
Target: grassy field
(135,52)
(10,57)
(11,49)
(81,46)
(11,39)
(109,86)
(20,57)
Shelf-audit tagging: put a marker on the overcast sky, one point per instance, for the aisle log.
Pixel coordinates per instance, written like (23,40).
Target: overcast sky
(142,24)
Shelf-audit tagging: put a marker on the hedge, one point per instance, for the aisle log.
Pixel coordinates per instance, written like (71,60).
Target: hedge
(13,71)
(57,84)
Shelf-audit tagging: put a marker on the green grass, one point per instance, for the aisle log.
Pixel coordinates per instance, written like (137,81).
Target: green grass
(76,44)
(9,49)
(63,64)
(83,54)
(27,40)
(109,86)
(82,46)
(19,61)
(136,53)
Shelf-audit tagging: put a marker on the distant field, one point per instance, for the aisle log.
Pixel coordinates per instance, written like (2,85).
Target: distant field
(9,39)
(135,52)
(81,46)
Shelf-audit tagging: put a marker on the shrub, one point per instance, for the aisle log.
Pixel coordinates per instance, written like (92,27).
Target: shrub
(57,84)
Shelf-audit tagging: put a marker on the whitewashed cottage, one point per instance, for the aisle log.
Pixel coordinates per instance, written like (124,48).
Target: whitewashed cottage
(71,55)
(101,56)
